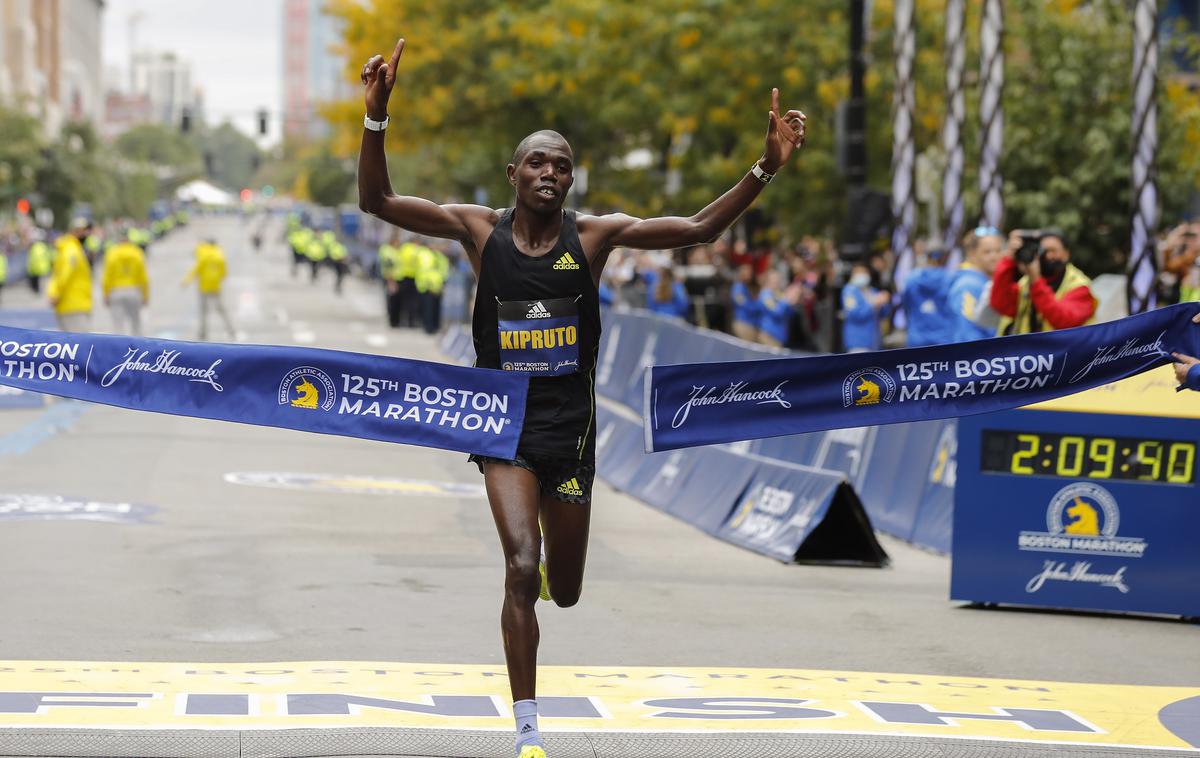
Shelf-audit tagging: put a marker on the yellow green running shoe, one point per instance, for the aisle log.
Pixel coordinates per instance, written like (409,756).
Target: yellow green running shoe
(532,751)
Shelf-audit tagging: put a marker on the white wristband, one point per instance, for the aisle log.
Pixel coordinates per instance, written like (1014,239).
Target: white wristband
(761,175)
(376,126)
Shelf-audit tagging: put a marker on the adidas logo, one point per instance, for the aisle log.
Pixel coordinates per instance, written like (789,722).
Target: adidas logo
(537,310)
(571,487)
(566,263)
(527,729)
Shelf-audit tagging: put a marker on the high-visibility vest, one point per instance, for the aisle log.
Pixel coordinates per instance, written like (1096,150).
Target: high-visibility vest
(37,263)
(315,249)
(387,261)
(406,261)
(1073,278)
(3,268)
(337,251)
(432,269)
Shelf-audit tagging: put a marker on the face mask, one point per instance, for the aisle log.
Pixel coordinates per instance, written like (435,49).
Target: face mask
(1051,269)
(861,280)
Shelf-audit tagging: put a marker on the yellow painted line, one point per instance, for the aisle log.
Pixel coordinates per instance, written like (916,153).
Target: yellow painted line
(124,695)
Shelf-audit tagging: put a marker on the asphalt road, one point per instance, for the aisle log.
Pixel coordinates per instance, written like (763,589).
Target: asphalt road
(220,571)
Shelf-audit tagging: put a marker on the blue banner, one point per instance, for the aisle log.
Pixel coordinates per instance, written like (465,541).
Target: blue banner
(702,404)
(326,391)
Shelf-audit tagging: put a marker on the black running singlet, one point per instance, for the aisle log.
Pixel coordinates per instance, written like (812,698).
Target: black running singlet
(541,316)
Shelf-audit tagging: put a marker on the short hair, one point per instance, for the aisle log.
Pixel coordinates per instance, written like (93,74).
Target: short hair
(526,144)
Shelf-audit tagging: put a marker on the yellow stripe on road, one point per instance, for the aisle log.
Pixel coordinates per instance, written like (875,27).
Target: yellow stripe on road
(575,699)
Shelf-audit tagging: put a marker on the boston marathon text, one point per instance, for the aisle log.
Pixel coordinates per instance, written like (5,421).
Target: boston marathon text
(36,369)
(429,405)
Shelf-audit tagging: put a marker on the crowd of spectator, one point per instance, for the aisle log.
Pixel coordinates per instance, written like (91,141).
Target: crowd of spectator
(804,297)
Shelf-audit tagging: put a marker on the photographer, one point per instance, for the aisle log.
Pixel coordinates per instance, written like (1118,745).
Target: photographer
(1036,288)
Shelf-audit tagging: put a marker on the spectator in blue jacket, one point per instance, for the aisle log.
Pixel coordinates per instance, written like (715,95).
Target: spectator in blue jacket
(777,304)
(666,296)
(862,307)
(747,310)
(984,247)
(924,298)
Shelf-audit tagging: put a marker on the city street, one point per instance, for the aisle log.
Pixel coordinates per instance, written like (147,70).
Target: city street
(228,549)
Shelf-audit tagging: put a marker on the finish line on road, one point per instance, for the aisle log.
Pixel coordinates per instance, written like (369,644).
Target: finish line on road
(317,695)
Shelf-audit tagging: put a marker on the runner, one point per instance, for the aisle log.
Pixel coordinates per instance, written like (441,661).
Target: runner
(537,311)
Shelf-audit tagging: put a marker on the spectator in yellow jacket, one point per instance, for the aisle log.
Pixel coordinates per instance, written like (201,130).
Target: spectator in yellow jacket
(209,273)
(126,286)
(70,289)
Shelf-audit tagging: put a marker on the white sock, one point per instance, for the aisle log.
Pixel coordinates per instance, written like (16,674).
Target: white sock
(527,726)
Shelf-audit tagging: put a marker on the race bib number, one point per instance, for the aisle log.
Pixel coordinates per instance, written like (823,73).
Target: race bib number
(540,337)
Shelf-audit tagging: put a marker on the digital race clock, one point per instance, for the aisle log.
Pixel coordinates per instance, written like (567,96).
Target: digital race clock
(1085,456)
(1090,501)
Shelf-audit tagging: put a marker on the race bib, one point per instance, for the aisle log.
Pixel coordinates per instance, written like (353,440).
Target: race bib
(539,337)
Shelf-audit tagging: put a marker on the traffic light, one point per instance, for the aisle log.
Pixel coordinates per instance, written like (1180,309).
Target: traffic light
(262,122)
(23,207)
(185,120)
(246,195)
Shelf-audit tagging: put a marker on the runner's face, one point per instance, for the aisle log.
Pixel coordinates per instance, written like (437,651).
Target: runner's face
(544,176)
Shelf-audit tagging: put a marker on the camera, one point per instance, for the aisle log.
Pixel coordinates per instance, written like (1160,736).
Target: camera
(1030,242)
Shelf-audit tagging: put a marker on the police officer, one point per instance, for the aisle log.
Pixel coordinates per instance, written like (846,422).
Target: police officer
(432,269)
(314,250)
(338,256)
(389,261)
(406,282)
(37,264)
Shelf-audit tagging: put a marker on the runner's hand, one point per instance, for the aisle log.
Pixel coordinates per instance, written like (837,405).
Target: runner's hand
(784,134)
(380,77)
(1183,364)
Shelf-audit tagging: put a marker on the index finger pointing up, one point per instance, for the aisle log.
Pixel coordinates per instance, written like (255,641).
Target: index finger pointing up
(775,100)
(396,54)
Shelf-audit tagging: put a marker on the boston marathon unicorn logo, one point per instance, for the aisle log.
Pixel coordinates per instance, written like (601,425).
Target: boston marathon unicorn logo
(306,395)
(307,388)
(1083,519)
(868,386)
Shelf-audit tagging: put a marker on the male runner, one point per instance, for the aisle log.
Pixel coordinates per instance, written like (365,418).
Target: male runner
(537,310)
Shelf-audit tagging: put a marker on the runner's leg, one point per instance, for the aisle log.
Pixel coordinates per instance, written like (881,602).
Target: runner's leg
(513,494)
(565,527)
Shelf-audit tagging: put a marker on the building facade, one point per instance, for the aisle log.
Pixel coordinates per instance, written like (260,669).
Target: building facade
(312,72)
(50,59)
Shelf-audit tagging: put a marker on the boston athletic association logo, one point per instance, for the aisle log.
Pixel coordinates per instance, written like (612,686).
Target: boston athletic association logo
(1083,519)
(308,388)
(868,386)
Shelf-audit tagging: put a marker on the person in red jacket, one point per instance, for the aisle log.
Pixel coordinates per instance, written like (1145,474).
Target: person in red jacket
(1045,294)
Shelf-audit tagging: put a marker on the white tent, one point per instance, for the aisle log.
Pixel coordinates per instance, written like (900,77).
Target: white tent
(200,191)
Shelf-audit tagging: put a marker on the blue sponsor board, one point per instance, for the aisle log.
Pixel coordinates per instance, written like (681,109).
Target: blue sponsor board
(325,391)
(1086,511)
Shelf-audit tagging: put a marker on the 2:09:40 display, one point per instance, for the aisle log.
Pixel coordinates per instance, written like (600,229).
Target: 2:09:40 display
(1088,457)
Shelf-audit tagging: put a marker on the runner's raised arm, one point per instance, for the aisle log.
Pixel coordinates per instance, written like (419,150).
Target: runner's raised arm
(785,134)
(464,223)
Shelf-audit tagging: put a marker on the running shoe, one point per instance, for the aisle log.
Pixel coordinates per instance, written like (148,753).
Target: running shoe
(532,751)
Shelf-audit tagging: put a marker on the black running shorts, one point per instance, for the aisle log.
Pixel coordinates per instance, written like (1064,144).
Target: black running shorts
(566,479)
